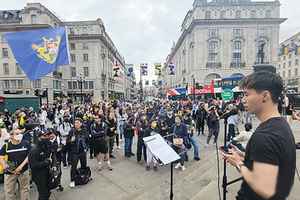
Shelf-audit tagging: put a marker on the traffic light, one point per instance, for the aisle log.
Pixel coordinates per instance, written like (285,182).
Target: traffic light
(37,92)
(45,93)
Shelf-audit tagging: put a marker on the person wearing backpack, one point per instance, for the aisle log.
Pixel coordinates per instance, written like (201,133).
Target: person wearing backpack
(39,162)
(15,166)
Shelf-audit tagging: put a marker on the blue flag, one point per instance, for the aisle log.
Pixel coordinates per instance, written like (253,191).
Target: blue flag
(39,52)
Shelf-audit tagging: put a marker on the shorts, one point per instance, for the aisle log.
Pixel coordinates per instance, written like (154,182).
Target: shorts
(100,146)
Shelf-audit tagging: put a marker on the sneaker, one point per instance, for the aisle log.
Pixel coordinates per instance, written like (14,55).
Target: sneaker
(118,147)
(109,167)
(112,156)
(72,184)
(99,166)
(177,166)
(182,168)
(132,154)
(147,167)
(197,158)
(155,168)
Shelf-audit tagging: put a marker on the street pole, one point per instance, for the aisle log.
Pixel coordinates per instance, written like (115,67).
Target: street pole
(81,93)
(194,95)
(141,86)
(47,97)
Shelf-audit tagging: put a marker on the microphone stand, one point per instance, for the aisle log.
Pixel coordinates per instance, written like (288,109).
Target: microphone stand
(225,183)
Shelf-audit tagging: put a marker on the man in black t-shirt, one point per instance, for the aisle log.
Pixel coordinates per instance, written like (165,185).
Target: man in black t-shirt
(16,166)
(268,166)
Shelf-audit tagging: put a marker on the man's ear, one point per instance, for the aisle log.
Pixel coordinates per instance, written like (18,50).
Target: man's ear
(266,96)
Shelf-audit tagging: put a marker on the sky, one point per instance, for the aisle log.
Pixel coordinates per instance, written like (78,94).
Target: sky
(142,30)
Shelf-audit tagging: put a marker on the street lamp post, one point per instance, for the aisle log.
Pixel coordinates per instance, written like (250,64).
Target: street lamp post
(194,83)
(80,81)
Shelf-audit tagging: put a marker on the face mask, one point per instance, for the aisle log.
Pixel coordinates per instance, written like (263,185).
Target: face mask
(18,137)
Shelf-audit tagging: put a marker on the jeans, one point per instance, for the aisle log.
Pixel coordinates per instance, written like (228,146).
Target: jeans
(141,148)
(196,145)
(231,132)
(128,146)
(41,182)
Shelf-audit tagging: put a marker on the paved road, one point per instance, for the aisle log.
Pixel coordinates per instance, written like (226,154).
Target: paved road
(130,181)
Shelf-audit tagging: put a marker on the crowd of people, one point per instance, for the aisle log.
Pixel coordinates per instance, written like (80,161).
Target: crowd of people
(62,135)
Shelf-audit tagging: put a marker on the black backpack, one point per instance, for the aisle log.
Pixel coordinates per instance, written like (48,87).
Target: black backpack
(83,176)
(54,177)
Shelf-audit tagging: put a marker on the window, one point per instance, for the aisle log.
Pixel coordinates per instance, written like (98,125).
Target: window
(33,19)
(91,85)
(283,74)
(212,51)
(223,14)
(73,71)
(13,84)
(238,14)
(85,57)
(72,31)
(85,46)
(237,46)
(290,63)
(18,69)
(268,14)
(86,85)
(237,32)
(74,85)
(253,14)
(36,84)
(4,53)
(283,65)
(20,84)
(72,46)
(296,72)
(6,84)
(284,57)
(289,73)
(70,85)
(213,32)
(296,62)
(236,57)
(290,55)
(5,69)
(86,71)
(73,58)
(207,15)
(56,84)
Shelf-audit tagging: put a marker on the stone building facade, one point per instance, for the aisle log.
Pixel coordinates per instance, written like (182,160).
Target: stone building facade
(93,56)
(221,38)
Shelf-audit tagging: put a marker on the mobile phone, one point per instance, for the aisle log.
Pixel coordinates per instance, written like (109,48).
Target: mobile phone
(224,149)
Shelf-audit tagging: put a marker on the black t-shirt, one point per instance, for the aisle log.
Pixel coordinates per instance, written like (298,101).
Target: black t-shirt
(272,143)
(16,154)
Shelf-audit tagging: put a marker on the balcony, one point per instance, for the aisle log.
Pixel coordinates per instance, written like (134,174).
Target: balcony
(213,65)
(237,65)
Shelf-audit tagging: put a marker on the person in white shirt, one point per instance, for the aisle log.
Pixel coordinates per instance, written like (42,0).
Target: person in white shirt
(242,139)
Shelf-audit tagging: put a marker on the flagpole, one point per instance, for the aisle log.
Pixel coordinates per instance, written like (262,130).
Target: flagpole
(141,86)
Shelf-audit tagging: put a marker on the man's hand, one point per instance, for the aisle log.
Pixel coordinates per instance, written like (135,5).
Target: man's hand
(17,171)
(233,158)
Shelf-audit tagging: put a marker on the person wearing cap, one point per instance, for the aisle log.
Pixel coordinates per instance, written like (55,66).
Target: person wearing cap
(15,166)
(39,162)
(77,140)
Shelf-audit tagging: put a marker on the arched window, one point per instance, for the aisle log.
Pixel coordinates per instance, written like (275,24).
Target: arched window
(268,14)
(213,51)
(237,52)
(33,19)
(207,15)
(253,14)
(238,14)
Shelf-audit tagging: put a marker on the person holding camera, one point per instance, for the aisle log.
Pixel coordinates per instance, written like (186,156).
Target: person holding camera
(268,165)
(39,162)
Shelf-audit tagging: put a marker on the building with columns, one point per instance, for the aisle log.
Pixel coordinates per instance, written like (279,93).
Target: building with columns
(288,62)
(93,56)
(221,38)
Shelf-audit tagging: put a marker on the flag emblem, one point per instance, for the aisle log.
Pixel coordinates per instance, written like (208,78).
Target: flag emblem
(48,49)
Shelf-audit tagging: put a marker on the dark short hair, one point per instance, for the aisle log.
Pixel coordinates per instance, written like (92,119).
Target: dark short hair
(264,80)
(248,126)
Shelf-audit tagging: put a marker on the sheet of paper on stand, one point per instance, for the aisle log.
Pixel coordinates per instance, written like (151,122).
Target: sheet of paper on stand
(160,149)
